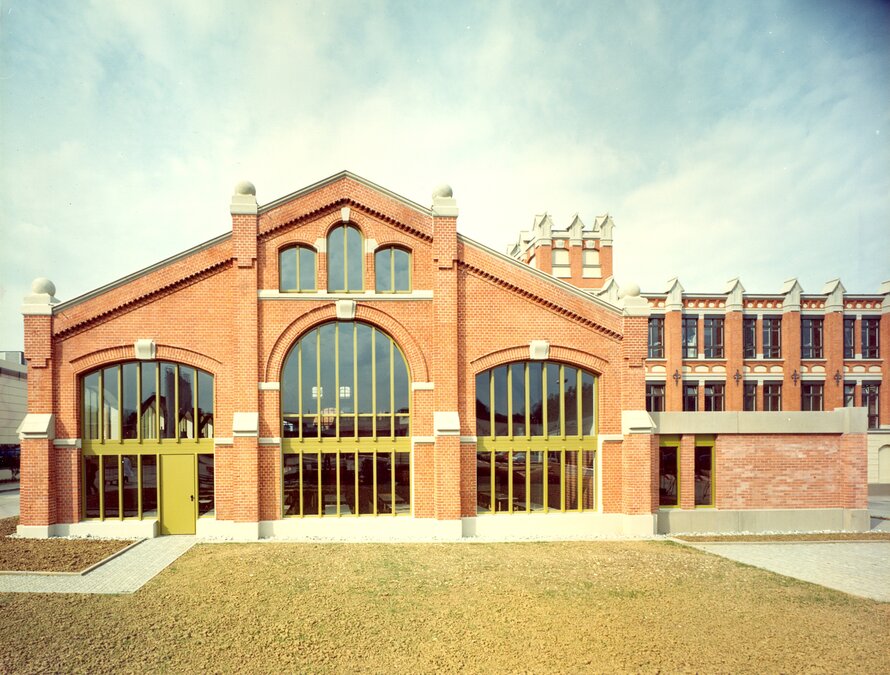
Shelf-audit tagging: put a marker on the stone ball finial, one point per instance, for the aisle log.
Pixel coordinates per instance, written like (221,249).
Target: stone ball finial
(245,187)
(444,190)
(42,285)
(629,291)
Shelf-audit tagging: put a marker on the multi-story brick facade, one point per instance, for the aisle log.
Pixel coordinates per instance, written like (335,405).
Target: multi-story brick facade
(344,364)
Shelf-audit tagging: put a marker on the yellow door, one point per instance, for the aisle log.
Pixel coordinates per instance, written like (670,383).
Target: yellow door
(177,494)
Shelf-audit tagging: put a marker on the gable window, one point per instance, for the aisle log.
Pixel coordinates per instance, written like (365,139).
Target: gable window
(871,337)
(772,396)
(772,337)
(849,332)
(345,257)
(656,337)
(392,270)
(811,337)
(713,337)
(749,337)
(296,269)
(811,396)
(690,337)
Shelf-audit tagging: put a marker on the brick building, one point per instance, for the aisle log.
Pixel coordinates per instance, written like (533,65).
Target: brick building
(344,364)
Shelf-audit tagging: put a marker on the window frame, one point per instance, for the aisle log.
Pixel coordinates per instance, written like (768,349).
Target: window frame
(655,399)
(812,394)
(346,282)
(714,337)
(672,444)
(772,396)
(749,393)
(749,337)
(690,393)
(655,337)
(771,328)
(709,444)
(812,337)
(849,337)
(298,248)
(391,249)
(715,400)
(870,398)
(689,336)
(871,337)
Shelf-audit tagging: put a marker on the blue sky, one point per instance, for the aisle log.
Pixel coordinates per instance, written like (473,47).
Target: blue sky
(725,138)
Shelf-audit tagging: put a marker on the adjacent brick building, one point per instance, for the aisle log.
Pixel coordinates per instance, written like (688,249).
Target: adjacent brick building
(344,364)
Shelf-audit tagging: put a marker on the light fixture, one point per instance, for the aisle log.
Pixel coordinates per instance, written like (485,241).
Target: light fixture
(676,377)
(838,377)
(737,377)
(795,377)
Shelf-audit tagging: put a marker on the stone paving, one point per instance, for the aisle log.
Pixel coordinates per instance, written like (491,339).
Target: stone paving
(857,568)
(126,573)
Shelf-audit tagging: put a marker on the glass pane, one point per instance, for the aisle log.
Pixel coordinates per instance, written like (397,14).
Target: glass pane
(570,379)
(329,484)
(290,384)
(402,263)
(483,482)
(587,480)
(400,384)
(501,481)
(91,407)
(129,467)
(205,485)
(168,400)
(130,400)
(553,426)
(384,483)
(554,480)
(401,425)
(517,373)
(365,426)
(336,264)
(307,269)
(588,421)
(110,410)
(535,399)
(328,390)
(354,255)
(310,484)
(309,427)
(667,476)
(364,336)
(483,407)
(149,404)
(91,480)
(149,486)
(186,402)
(110,473)
(703,476)
(382,360)
(291,485)
(347,483)
(290,427)
(347,426)
(287,269)
(383,270)
(403,482)
(384,425)
(205,404)
(572,476)
(365,503)
(536,481)
(519,473)
(346,389)
(309,366)
(500,401)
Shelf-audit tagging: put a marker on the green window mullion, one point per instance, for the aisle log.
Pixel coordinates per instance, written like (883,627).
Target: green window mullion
(392,481)
(528,428)
(579,400)
(562,479)
(157,366)
(318,384)
(494,501)
(337,474)
(101,486)
(345,269)
(355,476)
(373,382)
(546,481)
(300,481)
(120,405)
(510,402)
(139,486)
(491,415)
(319,499)
(528,481)
(100,413)
(355,407)
(196,422)
(373,479)
(392,389)
(296,282)
(299,395)
(120,484)
(545,405)
(562,402)
(336,378)
(510,481)
(176,402)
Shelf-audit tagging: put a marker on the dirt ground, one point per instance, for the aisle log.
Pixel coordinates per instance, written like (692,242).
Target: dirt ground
(530,607)
(825,536)
(52,555)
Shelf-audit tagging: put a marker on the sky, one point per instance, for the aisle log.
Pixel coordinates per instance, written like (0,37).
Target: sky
(725,138)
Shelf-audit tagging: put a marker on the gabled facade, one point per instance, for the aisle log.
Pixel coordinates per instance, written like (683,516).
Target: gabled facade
(344,364)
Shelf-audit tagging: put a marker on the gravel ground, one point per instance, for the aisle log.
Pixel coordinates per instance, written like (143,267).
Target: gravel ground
(822,536)
(531,607)
(57,554)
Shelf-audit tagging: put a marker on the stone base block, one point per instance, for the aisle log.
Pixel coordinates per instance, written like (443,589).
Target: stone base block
(558,526)
(382,529)
(773,520)
(211,528)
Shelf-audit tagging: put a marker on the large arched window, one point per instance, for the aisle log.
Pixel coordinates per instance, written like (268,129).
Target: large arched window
(536,438)
(345,259)
(392,270)
(296,269)
(345,403)
(131,413)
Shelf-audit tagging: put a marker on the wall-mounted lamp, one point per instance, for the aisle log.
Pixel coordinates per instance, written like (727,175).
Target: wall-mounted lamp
(838,377)
(737,377)
(676,377)
(795,377)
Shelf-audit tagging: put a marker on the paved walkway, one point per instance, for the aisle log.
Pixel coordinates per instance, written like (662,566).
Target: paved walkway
(857,568)
(125,574)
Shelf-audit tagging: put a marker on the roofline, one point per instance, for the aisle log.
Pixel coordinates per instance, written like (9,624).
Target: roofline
(574,290)
(89,295)
(333,179)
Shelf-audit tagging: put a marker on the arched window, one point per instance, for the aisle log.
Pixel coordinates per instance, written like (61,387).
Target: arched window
(392,268)
(345,403)
(345,260)
(536,438)
(296,269)
(131,413)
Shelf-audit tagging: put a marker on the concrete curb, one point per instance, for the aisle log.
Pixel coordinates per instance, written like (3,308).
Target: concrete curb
(82,572)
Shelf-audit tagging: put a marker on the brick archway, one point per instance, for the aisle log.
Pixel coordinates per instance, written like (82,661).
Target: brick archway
(569,355)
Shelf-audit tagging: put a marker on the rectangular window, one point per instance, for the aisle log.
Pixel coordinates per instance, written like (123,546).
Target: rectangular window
(772,337)
(811,396)
(849,394)
(749,337)
(206,506)
(714,396)
(656,337)
(668,476)
(690,397)
(772,396)
(749,402)
(704,474)
(811,337)
(690,337)
(849,339)
(655,396)
(871,337)
(713,337)
(871,392)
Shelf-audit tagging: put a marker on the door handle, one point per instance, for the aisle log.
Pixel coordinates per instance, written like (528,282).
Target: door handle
(192,498)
